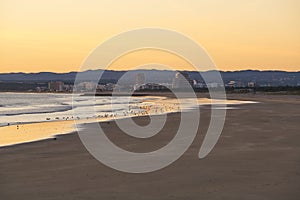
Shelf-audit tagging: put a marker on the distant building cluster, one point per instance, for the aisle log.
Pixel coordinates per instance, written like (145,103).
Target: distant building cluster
(150,86)
(240,84)
(59,86)
(181,80)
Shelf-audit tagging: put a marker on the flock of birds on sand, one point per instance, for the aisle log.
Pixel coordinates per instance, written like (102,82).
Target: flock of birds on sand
(132,111)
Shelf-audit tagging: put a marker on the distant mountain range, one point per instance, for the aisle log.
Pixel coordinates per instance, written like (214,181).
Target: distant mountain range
(263,78)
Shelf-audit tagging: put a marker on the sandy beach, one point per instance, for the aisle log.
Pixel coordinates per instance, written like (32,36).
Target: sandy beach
(257,157)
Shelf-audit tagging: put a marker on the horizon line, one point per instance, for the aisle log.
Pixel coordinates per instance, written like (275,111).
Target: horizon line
(148,70)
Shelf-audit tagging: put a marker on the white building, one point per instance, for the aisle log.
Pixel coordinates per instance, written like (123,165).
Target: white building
(182,80)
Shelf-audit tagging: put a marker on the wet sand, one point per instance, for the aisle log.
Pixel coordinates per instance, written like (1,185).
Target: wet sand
(257,157)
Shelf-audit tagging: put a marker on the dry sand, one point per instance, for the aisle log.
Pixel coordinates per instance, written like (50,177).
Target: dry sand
(257,157)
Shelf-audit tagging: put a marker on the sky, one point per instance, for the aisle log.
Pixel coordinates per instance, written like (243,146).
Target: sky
(58,35)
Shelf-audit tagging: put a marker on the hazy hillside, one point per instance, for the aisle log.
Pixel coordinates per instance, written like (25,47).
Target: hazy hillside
(273,78)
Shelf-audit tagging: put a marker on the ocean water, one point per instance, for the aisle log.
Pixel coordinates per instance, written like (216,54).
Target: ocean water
(19,108)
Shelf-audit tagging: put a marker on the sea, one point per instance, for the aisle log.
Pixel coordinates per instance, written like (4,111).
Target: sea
(21,108)
(25,108)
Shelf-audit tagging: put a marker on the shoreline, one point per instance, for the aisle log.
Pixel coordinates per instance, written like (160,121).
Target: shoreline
(22,133)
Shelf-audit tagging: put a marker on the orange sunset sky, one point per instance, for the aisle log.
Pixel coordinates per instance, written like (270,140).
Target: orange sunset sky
(57,35)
